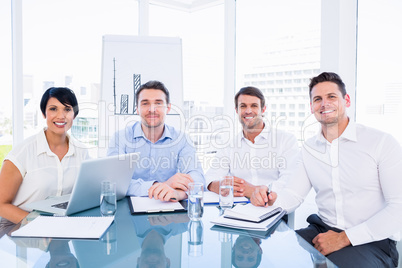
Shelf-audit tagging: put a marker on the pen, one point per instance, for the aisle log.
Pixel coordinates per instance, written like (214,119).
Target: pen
(268,192)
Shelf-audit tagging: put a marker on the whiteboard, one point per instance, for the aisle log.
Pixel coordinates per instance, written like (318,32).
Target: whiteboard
(127,63)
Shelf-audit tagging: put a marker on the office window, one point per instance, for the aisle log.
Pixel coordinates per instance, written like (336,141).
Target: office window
(379,65)
(282,38)
(6,138)
(75,59)
(203,62)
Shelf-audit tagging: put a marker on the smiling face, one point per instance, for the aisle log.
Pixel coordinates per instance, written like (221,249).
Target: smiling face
(246,253)
(59,118)
(152,108)
(250,112)
(328,105)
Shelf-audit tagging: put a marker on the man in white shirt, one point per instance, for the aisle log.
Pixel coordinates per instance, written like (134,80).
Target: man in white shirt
(259,155)
(355,171)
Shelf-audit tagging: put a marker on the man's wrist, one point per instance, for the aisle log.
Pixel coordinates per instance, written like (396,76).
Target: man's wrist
(249,190)
(345,239)
(213,186)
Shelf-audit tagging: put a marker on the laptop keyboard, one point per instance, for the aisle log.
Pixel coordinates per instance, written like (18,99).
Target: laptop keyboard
(61,205)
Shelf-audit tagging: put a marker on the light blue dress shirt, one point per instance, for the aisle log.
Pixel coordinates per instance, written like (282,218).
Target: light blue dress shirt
(172,153)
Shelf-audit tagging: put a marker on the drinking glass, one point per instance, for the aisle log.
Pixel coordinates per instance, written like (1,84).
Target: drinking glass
(226,192)
(108,202)
(195,202)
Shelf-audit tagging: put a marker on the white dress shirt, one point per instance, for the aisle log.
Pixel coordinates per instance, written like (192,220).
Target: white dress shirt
(270,159)
(358,183)
(43,174)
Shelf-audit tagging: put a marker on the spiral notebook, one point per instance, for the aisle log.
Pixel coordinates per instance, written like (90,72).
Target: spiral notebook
(252,213)
(65,227)
(249,217)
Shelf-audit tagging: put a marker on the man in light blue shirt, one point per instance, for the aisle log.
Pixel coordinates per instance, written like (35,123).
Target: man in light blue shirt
(168,162)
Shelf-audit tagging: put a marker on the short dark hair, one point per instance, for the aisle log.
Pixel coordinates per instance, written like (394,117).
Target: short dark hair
(251,91)
(153,85)
(258,260)
(63,94)
(328,77)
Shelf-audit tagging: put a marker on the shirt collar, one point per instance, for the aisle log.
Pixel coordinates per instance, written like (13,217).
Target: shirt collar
(138,133)
(263,134)
(348,134)
(43,146)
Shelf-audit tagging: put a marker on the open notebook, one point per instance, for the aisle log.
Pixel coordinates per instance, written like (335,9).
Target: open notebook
(65,227)
(250,217)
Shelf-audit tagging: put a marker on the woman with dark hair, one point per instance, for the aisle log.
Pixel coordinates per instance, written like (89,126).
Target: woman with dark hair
(46,164)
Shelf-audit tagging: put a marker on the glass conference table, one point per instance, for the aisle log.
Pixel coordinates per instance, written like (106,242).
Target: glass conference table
(164,240)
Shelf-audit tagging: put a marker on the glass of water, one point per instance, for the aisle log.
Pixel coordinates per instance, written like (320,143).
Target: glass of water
(195,202)
(108,202)
(226,192)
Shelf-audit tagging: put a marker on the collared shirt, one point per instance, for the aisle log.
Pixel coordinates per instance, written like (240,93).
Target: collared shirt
(43,174)
(357,181)
(270,159)
(172,153)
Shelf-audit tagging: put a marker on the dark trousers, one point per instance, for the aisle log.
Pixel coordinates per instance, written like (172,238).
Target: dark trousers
(381,253)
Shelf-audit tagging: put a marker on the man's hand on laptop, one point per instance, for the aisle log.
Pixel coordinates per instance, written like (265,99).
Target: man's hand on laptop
(179,181)
(164,192)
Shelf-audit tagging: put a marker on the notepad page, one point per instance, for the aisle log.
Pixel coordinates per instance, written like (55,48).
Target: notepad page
(144,204)
(250,212)
(213,198)
(65,227)
(262,226)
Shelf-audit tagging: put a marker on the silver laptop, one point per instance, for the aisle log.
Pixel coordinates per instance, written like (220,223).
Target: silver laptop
(87,187)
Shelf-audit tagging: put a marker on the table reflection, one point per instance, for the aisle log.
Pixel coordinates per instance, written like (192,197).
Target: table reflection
(195,238)
(246,252)
(157,240)
(59,251)
(153,232)
(60,255)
